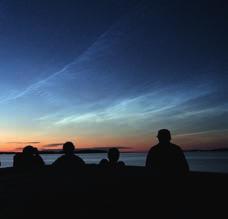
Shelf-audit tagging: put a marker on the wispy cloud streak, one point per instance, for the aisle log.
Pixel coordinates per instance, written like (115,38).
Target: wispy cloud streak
(98,48)
(53,145)
(151,105)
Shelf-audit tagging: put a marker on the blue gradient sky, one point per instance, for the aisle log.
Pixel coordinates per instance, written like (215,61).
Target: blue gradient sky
(111,73)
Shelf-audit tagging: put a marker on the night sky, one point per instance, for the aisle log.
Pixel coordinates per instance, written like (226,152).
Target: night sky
(112,73)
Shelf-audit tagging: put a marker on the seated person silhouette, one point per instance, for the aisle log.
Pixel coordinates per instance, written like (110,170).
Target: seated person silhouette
(38,159)
(166,158)
(113,157)
(69,159)
(28,159)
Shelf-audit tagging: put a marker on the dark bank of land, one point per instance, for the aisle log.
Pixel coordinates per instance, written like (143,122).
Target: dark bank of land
(77,151)
(94,192)
(209,150)
(96,151)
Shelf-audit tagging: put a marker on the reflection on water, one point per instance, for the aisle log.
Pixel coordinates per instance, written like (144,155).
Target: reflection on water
(198,161)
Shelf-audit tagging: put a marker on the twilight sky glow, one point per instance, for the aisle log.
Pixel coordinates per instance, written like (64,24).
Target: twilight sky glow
(111,73)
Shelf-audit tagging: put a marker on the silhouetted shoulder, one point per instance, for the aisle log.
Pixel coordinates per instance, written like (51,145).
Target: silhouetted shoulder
(17,159)
(103,163)
(113,159)
(181,160)
(154,148)
(159,147)
(29,158)
(167,159)
(175,147)
(39,161)
(121,164)
(69,161)
(150,155)
(79,160)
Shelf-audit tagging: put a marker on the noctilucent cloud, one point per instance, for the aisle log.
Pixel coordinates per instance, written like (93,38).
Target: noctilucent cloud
(112,73)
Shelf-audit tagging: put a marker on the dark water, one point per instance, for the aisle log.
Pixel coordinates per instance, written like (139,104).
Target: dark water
(198,161)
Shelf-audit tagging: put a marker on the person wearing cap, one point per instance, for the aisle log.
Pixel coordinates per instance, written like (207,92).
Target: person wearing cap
(166,158)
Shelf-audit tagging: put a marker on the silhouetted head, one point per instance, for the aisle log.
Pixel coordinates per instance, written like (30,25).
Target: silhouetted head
(164,136)
(68,148)
(113,155)
(28,150)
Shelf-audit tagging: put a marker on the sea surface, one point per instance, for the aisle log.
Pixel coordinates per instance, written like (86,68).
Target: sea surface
(209,161)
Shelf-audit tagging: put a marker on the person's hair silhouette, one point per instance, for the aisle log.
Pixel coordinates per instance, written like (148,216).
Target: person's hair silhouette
(69,159)
(164,136)
(28,159)
(113,155)
(68,148)
(113,159)
(165,157)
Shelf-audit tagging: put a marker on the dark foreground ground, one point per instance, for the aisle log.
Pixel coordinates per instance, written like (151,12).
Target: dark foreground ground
(111,193)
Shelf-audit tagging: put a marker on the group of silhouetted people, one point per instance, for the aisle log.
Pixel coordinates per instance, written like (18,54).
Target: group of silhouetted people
(28,159)
(163,158)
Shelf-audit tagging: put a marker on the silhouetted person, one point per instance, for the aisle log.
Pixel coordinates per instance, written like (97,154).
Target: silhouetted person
(104,162)
(69,159)
(17,160)
(38,159)
(166,158)
(113,157)
(28,159)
